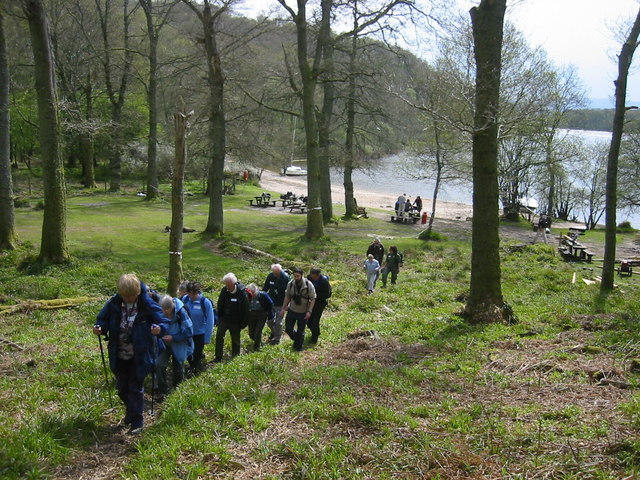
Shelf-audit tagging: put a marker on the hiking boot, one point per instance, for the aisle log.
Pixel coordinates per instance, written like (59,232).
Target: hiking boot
(134,431)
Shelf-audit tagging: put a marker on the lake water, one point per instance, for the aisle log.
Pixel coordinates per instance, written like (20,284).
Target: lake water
(387,177)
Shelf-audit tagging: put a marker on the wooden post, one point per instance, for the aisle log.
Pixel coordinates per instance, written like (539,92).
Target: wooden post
(177,202)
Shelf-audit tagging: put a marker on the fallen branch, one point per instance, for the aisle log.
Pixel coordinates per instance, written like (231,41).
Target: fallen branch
(255,251)
(11,344)
(56,303)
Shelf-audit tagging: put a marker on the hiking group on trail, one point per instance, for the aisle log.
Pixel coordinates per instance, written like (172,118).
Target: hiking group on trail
(146,331)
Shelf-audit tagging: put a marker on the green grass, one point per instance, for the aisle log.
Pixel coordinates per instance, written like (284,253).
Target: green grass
(429,396)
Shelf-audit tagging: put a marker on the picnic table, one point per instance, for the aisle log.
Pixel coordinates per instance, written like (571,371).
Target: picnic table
(298,207)
(626,266)
(261,201)
(571,249)
(408,217)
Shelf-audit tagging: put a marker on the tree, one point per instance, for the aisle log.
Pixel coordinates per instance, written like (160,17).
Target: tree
(177,203)
(116,85)
(309,72)
(156,14)
(624,63)
(8,235)
(485,302)
(591,173)
(209,16)
(53,248)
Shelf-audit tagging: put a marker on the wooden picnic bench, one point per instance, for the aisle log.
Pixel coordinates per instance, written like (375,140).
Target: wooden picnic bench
(571,249)
(626,266)
(409,218)
(301,207)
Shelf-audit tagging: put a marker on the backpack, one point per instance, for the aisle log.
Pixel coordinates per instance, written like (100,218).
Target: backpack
(202,307)
(330,288)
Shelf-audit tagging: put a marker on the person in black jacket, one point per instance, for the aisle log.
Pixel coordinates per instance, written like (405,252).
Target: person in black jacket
(276,285)
(233,311)
(323,292)
(377,250)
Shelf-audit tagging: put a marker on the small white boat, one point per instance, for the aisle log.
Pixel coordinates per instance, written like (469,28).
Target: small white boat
(295,171)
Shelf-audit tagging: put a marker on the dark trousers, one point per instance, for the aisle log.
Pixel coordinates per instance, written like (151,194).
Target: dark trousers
(394,276)
(234,329)
(131,391)
(314,320)
(161,370)
(256,325)
(195,359)
(297,334)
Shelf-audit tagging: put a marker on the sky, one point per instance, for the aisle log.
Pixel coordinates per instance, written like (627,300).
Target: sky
(573,32)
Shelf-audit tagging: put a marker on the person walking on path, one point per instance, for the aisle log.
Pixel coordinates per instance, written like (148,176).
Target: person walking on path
(544,223)
(178,342)
(275,286)
(202,315)
(372,268)
(323,293)
(377,250)
(131,321)
(260,309)
(233,311)
(299,299)
(392,264)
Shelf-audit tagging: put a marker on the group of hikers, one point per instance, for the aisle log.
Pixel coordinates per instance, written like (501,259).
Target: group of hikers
(145,331)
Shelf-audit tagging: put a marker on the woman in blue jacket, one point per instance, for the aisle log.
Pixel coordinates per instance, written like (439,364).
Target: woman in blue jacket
(202,316)
(178,342)
(131,320)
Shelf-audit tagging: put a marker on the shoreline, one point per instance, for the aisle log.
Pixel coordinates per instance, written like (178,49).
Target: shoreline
(281,184)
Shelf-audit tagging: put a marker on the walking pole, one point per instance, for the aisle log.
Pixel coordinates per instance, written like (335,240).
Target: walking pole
(153,372)
(104,367)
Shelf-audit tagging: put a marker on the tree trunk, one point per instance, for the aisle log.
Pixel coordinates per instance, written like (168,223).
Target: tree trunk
(54,242)
(217,124)
(485,303)
(624,63)
(350,205)
(177,204)
(87,151)
(326,114)
(8,237)
(152,101)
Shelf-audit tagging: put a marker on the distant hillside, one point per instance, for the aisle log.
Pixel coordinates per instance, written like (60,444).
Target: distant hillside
(597,118)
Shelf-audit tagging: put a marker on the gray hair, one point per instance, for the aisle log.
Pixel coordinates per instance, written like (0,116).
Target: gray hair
(230,276)
(166,302)
(275,267)
(183,286)
(253,288)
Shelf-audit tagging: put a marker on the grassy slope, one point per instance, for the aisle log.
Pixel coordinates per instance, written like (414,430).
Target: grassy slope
(427,397)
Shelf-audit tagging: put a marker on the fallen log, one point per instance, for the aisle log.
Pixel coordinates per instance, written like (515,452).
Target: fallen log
(255,251)
(53,304)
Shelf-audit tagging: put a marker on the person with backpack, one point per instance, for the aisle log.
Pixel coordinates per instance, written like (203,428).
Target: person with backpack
(300,296)
(178,342)
(131,321)
(260,309)
(323,293)
(200,310)
(392,264)
(275,286)
(233,312)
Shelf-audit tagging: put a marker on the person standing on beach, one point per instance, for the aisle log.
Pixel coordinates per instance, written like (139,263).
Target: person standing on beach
(392,264)
(402,200)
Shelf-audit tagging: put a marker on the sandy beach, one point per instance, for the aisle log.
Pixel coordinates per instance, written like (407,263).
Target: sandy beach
(275,183)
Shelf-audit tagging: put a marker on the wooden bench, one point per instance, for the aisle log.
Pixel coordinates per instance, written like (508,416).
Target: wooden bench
(626,266)
(361,212)
(250,200)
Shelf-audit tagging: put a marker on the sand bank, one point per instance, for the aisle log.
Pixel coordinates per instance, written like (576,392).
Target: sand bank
(275,183)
